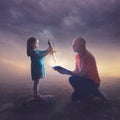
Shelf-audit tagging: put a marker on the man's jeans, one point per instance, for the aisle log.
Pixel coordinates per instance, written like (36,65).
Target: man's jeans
(84,88)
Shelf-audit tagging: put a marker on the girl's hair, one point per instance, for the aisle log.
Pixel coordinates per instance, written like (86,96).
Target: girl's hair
(30,44)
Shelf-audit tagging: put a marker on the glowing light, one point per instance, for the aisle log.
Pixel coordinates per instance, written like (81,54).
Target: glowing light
(16,64)
(108,69)
(105,66)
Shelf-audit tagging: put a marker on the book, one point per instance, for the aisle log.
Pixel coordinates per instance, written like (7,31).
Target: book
(60,68)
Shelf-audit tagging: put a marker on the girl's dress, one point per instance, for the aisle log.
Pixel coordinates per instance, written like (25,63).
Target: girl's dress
(37,64)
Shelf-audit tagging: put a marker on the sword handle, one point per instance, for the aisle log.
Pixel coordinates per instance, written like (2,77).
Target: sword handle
(49,43)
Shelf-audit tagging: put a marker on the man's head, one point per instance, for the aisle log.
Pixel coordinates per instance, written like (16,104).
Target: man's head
(79,45)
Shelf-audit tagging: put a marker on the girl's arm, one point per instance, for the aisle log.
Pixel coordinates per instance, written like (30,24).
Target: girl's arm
(50,49)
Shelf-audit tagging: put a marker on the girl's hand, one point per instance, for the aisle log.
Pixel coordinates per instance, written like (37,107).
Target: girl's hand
(50,49)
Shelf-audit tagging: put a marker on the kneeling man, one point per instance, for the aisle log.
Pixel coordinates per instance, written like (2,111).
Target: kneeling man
(84,79)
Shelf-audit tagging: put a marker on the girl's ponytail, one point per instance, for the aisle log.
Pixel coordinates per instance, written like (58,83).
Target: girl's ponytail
(30,45)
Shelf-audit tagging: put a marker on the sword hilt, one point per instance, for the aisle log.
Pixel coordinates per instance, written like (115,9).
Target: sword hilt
(53,51)
(49,43)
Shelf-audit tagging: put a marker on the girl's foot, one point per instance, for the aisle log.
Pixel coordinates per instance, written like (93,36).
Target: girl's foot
(39,97)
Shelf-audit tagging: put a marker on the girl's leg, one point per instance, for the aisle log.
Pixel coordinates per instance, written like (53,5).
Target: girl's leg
(37,95)
(36,87)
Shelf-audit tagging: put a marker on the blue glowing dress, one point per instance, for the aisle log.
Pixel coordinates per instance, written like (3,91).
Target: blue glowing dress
(37,64)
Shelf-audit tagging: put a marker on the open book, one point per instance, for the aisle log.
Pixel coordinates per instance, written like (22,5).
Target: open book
(64,70)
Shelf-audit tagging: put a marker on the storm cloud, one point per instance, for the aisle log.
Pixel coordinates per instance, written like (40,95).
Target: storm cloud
(98,21)
(62,19)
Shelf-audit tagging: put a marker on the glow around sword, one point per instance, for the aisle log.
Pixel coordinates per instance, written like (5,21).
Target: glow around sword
(52,52)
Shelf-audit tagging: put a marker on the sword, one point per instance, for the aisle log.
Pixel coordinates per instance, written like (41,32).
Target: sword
(52,52)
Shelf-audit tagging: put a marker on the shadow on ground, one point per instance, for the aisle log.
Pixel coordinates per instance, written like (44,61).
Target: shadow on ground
(109,110)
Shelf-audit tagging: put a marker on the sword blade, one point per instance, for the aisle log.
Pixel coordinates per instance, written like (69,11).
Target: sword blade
(54,57)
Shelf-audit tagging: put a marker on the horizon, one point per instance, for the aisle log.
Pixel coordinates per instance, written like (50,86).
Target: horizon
(60,21)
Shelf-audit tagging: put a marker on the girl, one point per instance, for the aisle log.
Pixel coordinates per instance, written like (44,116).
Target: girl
(37,63)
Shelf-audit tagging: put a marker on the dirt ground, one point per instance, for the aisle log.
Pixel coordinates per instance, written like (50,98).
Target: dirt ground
(15,91)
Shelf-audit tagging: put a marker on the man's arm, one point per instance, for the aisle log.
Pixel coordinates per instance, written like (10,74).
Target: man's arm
(80,73)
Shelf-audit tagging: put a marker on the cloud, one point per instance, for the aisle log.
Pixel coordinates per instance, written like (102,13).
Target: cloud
(64,19)
(60,20)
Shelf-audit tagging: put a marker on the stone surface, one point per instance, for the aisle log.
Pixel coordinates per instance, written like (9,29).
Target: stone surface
(48,100)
